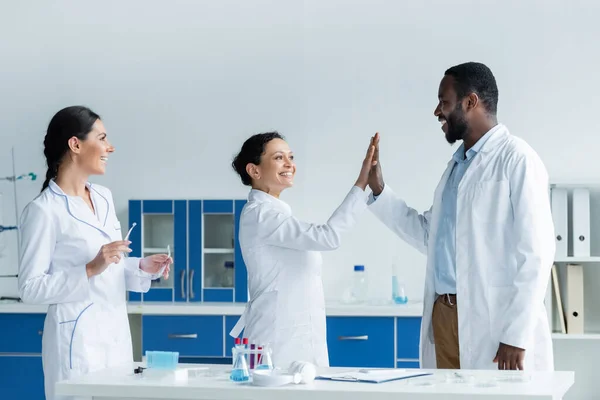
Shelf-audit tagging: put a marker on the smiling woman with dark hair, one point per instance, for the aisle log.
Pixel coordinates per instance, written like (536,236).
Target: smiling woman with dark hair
(287,306)
(72,255)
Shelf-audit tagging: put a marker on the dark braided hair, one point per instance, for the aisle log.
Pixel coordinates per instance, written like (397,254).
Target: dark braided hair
(72,121)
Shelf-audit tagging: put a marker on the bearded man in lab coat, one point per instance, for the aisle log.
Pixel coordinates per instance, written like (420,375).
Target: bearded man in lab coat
(489,237)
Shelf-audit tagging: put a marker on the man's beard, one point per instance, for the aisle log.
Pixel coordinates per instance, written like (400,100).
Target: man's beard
(457,125)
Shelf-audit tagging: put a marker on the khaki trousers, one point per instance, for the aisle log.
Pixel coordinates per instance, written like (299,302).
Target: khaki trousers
(445,332)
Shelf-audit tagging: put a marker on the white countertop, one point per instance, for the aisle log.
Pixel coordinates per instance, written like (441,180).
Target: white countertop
(120,383)
(412,309)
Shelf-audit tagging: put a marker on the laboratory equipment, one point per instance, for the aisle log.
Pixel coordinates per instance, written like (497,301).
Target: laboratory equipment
(129,231)
(398,288)
(14,178)
(227,274)
(274,378)
(162,359)
(127,237)
(307,371)
(360,284)
(265,360)
(398,291)
(239,371)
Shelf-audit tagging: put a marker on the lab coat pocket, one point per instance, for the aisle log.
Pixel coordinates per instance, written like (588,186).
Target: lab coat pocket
(77,339)
(490,201)
(498,299)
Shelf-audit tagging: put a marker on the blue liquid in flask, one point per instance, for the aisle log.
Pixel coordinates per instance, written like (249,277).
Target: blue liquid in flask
(239,372)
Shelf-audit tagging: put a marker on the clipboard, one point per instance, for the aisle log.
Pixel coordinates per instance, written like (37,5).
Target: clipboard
(373,376)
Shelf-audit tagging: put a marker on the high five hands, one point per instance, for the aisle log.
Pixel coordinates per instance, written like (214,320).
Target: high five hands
(370,173)
(375,175)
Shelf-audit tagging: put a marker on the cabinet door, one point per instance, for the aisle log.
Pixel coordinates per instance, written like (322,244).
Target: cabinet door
(408,338)
(218,250)
(190,335)
(240,272)
(21,377)
(155,232)
(21,333)
(361,342)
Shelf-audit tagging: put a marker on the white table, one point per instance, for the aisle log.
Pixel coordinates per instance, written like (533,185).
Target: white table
(121,384)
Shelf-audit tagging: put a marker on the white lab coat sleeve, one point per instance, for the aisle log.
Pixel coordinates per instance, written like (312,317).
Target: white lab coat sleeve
(38,231)
(533,231)
(136,280)
(406,222)
(278,229)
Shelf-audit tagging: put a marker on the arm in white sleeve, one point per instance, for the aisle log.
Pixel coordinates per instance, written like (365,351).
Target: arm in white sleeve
(283,230)
(136,280)
(38,232)
(404,221)
(533,231)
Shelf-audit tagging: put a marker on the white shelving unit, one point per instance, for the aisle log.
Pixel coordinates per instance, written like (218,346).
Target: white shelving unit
(590,265)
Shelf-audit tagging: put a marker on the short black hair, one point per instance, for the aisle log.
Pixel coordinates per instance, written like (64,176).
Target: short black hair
(474,77)
(252,149)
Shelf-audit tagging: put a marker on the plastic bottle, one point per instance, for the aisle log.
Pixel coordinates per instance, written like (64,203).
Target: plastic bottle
(360,285)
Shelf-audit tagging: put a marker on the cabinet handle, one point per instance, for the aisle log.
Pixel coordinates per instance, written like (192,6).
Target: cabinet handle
(192,295)
(182,284)
(365,337)
(185,336)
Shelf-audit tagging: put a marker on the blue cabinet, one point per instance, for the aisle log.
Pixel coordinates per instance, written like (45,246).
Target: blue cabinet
(21,377)
(408,337)
(361,342)
(21,374)
(190,335)
(203,239)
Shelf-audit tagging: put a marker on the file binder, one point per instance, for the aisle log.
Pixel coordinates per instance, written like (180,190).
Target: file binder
(581,222)
(559,201)
(575,317)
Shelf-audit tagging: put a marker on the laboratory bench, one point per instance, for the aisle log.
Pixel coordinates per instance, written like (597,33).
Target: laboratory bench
(373,336)
(214,384)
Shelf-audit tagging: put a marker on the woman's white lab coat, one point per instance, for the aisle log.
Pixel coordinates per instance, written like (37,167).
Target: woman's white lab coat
(287,306)
(87,326)
(504,252)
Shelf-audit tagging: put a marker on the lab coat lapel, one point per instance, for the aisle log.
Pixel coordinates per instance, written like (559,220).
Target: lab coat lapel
(85,215)
(482,158)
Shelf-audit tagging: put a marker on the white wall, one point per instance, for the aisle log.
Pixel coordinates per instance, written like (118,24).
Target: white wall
(180,85)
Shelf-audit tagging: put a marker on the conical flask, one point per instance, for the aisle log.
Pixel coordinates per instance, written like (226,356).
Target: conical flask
(239,372)
(265,361)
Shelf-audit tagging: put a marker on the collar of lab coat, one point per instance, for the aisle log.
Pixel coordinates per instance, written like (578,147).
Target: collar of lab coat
(493,138)
(261,197)
(85,214)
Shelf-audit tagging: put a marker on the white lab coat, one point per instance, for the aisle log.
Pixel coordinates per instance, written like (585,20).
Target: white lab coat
(282,255)
(504,253)
(86,326)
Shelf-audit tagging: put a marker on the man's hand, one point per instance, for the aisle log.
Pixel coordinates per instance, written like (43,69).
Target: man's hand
(375,175)
(509,357)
